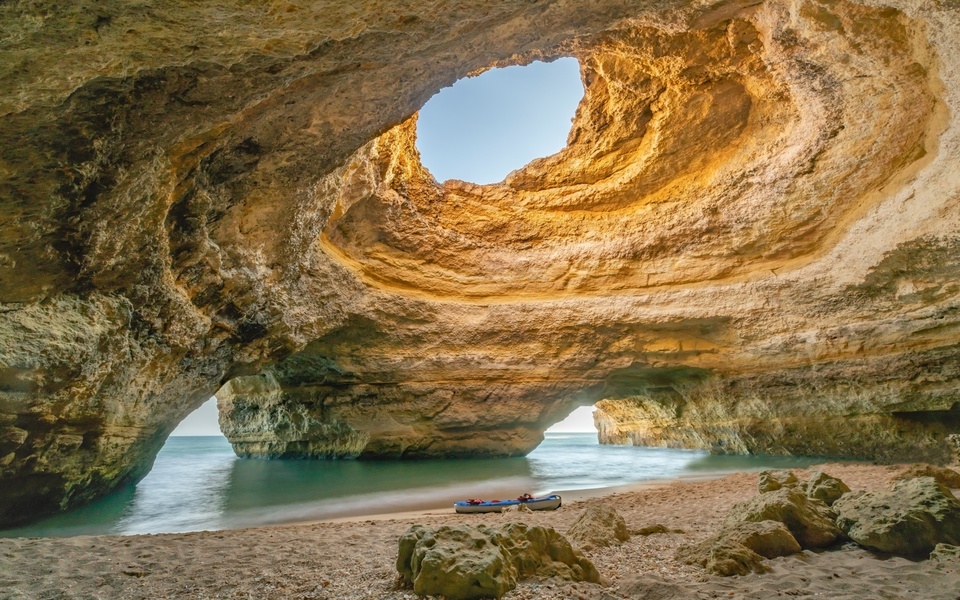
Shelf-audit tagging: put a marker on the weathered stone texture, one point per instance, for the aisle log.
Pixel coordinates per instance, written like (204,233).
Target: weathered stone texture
(598,526)
(486,562)
(788,516)
(749,244)
(944,476)
(910,520)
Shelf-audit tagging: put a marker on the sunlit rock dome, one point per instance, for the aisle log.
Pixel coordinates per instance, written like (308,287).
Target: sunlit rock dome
(749,243)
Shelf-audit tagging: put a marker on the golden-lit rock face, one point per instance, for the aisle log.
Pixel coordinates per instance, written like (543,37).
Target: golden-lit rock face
(700,155)
(752,236)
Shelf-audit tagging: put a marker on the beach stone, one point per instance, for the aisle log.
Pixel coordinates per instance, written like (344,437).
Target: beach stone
(769,539)
(943,475)
(655,529)
(460,562)
(825,488)
(771,481)
(819,485)
(910,520)
(810,521)
(599,526)
(722,558)
(945,553)
(739,548)
(781,521)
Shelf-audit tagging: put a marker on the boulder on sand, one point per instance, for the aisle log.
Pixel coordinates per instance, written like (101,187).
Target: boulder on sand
(909,520)
(944,476)
(781,521)
(655,529)
(819,485)
(598,526)
(825,488)
(460,562)
(740,548)
(722,558)
(771,481)
(769,539)
(809,520)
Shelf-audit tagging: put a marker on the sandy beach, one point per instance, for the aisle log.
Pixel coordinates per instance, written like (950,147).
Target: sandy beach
(355,557)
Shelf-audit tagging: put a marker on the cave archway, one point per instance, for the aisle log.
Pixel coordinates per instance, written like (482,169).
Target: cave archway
(204,421)
(756,191)
(580,420)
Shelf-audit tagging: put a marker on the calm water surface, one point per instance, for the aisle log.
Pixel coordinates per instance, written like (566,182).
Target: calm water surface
(198,483)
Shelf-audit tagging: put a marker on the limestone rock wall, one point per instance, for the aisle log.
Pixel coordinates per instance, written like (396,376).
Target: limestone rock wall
(899,408)
(200,197)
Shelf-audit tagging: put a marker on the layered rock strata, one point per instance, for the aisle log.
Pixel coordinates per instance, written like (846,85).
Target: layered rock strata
(897,407)
(755,221)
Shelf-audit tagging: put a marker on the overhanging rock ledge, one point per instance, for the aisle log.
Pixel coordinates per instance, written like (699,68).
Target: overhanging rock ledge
(751,242)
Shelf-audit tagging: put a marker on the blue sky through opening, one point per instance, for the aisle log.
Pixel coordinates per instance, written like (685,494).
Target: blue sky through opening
(481,128)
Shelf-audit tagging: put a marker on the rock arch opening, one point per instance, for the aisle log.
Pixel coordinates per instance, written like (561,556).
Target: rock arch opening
(485,126)
(580,420)
(204,421)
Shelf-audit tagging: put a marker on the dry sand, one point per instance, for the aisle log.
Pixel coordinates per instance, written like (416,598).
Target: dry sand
(353,558)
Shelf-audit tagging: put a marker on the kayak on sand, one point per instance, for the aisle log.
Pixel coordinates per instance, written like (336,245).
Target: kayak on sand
(474,505)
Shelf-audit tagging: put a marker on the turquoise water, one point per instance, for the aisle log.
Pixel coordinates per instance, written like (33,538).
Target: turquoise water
(198,483)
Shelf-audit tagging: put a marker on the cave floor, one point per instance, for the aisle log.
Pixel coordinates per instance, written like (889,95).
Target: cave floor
(355,558)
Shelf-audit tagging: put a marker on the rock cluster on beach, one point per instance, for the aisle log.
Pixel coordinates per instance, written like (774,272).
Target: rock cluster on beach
(784,519)
(918,518)
(749,244)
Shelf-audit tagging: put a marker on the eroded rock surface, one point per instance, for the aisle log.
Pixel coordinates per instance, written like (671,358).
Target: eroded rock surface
(809,520)
(486,562)
(786,517)
(943,475)
(771,481)
(598,526)
(825,488)
(750,242)
(818,486)
(739,548)
(945,553)
(910,520)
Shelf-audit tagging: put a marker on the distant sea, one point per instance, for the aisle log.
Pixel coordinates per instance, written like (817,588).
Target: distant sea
(197,483)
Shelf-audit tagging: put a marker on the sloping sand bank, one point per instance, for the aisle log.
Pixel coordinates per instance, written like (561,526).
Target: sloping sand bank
(355,558)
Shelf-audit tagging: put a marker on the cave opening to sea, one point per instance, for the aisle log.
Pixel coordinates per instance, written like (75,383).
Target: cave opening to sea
(199,483)
(483,127)
(204,421)
(578,421)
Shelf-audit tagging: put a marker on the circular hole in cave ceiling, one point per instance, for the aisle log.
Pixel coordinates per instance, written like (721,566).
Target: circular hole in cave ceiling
(482,128)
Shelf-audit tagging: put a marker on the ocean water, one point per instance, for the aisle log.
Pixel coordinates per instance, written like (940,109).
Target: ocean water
(197,483)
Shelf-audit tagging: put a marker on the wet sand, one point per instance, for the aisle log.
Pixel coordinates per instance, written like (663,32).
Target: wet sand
(353,557)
